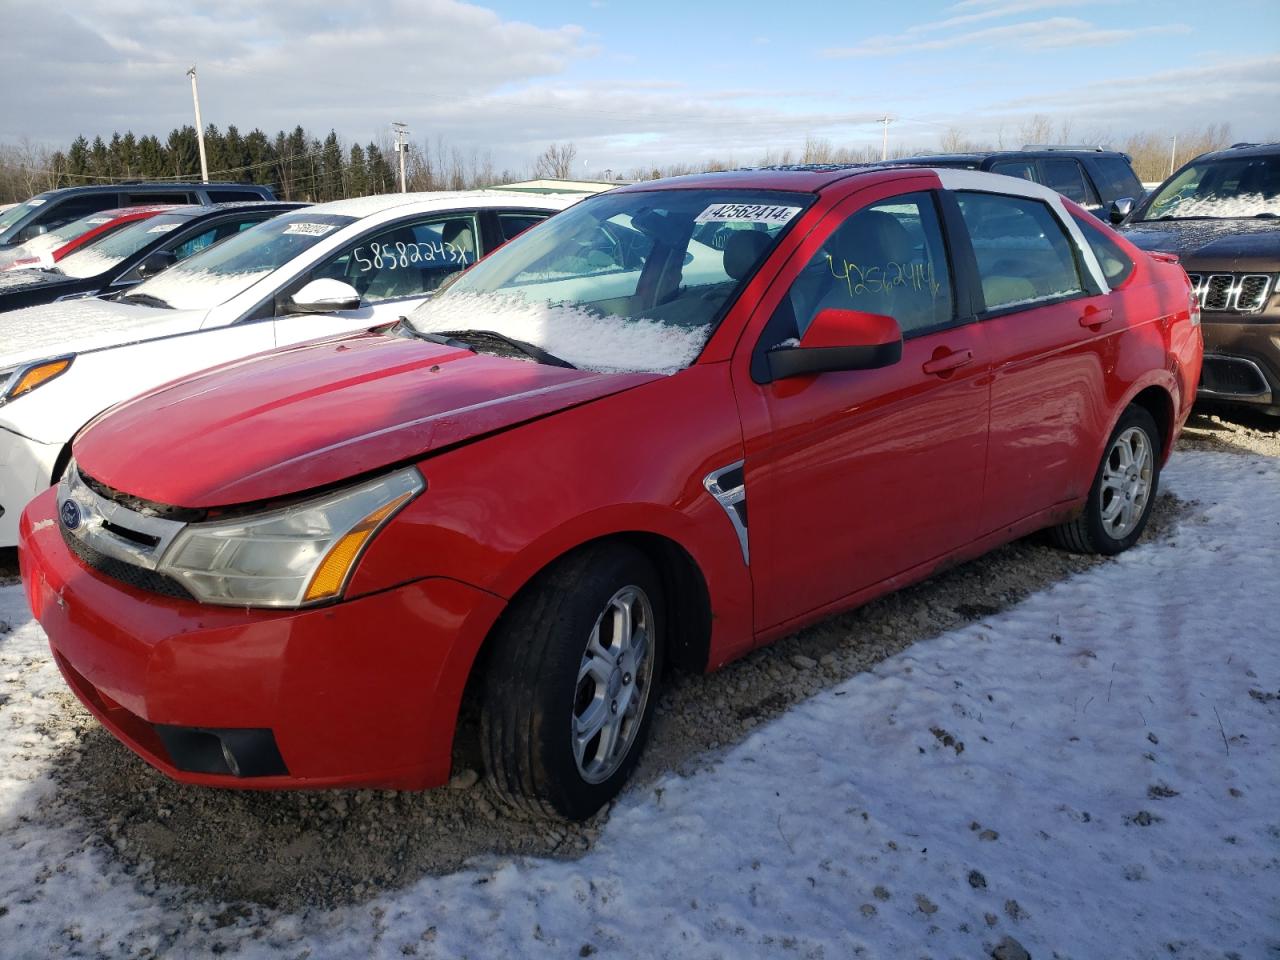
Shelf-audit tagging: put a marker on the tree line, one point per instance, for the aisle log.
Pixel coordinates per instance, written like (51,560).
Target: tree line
(300,166)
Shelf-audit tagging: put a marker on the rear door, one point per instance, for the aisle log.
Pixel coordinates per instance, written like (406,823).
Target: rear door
(855,476)
(1049,328)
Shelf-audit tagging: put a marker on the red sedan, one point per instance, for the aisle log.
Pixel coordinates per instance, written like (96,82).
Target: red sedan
(671,424)
(48,248)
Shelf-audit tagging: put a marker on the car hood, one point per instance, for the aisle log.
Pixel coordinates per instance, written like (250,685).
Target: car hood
(319,414)
(77,326)
(1226,244)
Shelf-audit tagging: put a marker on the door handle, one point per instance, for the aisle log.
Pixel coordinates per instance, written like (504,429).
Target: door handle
(1095,316)
(947,362)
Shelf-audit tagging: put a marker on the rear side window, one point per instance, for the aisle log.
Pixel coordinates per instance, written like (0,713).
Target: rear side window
(1067,178)
(1115,263)
(233,196)
(1026,169)
(514,224)
(1023,251)
(1117,178)
(887,258)
(149,198)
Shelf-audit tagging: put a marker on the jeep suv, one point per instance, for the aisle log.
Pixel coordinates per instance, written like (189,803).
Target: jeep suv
(54,208)
(1101,181)
(1220,214)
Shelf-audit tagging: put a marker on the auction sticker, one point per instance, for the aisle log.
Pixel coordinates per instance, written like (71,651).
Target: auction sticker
(35,203)
(98,220)
(308,229)
(163,228)
(746,213)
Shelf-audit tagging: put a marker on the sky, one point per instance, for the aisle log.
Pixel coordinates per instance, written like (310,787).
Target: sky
(642,84)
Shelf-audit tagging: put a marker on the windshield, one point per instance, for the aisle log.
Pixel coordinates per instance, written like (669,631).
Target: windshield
(115,247)
(219,273)
(1229,187)
(620,282)
(14,215)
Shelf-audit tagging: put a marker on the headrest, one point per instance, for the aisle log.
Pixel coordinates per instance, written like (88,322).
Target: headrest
(742,250)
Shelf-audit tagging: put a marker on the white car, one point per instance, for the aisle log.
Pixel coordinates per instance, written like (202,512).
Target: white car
(310,273)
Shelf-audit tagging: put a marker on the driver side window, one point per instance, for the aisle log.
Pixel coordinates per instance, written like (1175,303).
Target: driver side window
(405,260)
(888,258)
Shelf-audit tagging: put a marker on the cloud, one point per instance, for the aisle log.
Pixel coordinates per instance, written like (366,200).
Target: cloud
(994,9)
(1031,34)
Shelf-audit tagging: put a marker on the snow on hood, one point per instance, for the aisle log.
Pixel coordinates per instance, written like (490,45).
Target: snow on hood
(14,279)
(1206,238)
(200,290)
(74,326)
(590,341)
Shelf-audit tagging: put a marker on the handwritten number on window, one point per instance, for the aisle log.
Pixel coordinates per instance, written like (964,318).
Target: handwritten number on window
(400,255)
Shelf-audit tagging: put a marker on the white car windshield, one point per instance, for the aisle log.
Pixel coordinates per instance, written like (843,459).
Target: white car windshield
(627,281)
(215,275)
(1214,189)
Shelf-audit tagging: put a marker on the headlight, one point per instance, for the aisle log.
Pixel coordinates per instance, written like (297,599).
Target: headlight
(16,381)
(292,557)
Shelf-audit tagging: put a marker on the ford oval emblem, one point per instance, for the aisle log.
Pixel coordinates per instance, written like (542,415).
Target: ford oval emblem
(70,514)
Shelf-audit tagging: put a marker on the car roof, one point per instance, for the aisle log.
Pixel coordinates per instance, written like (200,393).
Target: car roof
(1243,150)
(798,178)
(135,185)
(361,207)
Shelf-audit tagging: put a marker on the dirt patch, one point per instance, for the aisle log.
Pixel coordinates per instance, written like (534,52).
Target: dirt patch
(1230,430)
(293,849)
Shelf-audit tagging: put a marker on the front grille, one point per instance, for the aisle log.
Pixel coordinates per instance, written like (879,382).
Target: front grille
(128,574)
(1231,292)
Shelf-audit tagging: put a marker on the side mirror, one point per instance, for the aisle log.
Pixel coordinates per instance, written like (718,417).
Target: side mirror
(155,263)
(323,296)
(839,340)
(1120,209)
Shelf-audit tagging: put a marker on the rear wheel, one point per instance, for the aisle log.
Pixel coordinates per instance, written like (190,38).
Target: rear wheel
(1123,492)
(571,683)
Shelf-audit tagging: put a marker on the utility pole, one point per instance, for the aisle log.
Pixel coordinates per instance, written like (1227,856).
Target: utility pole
(884,141)
(402,146)
(1173,152)
(195,97)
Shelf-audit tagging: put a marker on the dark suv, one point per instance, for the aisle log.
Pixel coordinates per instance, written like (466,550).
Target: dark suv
(1101,181)
(1221,215)
(53,208)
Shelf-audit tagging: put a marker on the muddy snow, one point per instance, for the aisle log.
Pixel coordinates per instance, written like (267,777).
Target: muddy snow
(1034,751)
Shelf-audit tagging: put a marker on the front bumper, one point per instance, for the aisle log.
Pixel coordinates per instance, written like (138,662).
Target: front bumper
(360,693)
(1242,363)
(26,468)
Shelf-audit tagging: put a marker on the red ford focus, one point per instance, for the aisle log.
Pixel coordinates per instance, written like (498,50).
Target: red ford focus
(670,424)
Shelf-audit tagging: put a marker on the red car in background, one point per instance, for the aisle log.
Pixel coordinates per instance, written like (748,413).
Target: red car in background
(48,248)
(672,423)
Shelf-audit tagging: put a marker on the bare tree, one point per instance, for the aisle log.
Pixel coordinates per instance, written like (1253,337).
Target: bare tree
(556,161)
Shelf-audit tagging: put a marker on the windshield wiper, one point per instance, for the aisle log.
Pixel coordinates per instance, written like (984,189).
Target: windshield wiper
(489,339)
(147,300)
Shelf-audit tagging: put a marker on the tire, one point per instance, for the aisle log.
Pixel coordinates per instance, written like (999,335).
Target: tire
(557,665)
(1103,527)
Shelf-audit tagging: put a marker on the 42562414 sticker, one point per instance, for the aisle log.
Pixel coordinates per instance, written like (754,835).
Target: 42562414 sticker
(767,213)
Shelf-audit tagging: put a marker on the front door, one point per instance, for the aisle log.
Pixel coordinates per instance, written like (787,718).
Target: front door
(854,477)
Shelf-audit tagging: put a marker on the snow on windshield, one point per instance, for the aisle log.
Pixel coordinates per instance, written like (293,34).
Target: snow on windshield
(1244,205)
(587,339)
(199,290)
(87,262)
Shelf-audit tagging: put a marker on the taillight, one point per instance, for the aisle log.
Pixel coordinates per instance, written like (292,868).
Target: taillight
(1193,304)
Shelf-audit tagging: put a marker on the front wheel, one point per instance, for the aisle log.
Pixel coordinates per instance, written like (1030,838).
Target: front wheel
(571,683)
(1123,492)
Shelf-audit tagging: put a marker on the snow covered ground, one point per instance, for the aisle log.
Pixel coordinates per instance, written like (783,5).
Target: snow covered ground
(1094,773)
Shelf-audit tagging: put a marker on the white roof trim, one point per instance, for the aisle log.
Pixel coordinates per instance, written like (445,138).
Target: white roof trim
(953,179)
